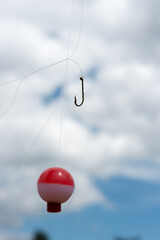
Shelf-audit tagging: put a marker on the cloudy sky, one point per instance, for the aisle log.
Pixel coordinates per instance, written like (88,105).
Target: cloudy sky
(110,145)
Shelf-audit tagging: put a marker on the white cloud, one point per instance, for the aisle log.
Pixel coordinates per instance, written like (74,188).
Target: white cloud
(116,132)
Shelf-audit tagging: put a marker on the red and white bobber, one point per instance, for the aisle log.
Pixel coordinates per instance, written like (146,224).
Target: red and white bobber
(55,186)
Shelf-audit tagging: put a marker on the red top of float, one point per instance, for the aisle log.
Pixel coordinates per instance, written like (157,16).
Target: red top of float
(56,175)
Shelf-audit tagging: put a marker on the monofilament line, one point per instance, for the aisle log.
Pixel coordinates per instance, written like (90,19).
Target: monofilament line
(68,58)
(65,79)
(21,82)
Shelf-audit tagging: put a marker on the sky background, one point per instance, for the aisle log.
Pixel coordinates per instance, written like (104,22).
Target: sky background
(110,145)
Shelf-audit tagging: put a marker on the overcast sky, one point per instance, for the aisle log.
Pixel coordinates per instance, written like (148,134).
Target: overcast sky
(115,134)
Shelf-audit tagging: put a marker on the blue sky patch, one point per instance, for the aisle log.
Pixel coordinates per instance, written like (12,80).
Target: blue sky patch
(54,94)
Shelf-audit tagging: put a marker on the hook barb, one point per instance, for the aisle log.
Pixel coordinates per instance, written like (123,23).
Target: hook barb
(75,99)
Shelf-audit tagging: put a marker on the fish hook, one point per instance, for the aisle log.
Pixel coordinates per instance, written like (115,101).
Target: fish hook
(75,99)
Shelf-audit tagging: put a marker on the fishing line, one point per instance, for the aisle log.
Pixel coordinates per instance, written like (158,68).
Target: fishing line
(12,81)
(21,82)
(62,97)
(67,59)
(62,91)
(52,113)
(40,69)
(64,82)
(27,76)
(44,126)
(34,72)
(73,60)
(80,31)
